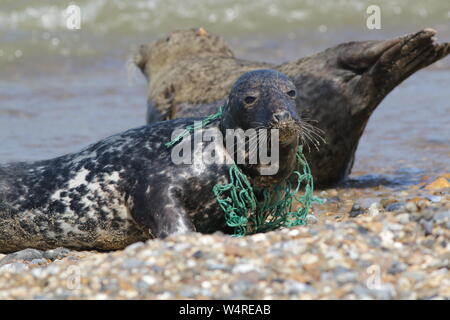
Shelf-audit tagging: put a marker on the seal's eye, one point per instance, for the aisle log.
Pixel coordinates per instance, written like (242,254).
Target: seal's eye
(292,93)
(249,99)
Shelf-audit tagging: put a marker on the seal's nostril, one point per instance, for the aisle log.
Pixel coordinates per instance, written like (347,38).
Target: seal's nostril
(281,116)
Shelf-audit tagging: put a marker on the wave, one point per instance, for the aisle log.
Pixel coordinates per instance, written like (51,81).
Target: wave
(225,16)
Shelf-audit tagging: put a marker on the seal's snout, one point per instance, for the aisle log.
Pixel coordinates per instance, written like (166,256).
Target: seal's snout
(281,116)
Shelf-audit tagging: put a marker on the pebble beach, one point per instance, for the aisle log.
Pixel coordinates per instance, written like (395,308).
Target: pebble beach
(396,248)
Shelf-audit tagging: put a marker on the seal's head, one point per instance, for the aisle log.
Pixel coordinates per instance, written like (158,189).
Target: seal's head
(263,99)
(260,101)
(154,57)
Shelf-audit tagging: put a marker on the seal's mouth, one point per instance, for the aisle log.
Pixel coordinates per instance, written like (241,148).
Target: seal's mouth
(287,130)
(304,129)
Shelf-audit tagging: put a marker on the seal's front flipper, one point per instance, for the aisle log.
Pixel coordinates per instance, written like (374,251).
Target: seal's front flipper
(159,211)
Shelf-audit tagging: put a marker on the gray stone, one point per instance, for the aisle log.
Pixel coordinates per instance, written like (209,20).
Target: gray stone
(294,287)
(374,241)
(38,261)
(429,242)
(397,267)
(57,253)
(241,285)
(384,291)
(343,275)
(198,254)
(442,217)
(434,198)
(362,230)
(38,272)
(374,209)
(311,219)
(53,269)
(134,246)
(396,206)
(142,285)
(14,267)
(411,207)
(403,218)
(23,255)
(189,291)
(132,263)
(416,275)
(243,268)
(347,277)
(427,226)
(356,210)
(217,266)
(363,292)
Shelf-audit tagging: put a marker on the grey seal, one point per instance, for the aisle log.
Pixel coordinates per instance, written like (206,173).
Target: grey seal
(126,188)
(189,73)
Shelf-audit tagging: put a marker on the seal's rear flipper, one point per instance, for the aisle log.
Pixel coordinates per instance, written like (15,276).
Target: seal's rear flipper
(409,54)
(383,65)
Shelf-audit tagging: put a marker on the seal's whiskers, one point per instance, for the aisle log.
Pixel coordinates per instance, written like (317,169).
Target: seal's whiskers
(310,133)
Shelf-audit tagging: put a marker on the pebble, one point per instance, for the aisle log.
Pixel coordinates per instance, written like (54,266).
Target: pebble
(294,287)
(14,267)
(131,263)
(427,226)
(374,209)
(38,261)
(347,276)
(374,241)
(384,291)
(403,218)
(442,217)
(411,207)
(311,219)
(261,236)
(309,258)
(57,253)
(438,184)
(434,198)
(417,276)
(385,202)
(38,272)
(356,210)
(397,267)
(396,206)
(23,255)
(216,266)
(243,268)
(198,254)
(134,246)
